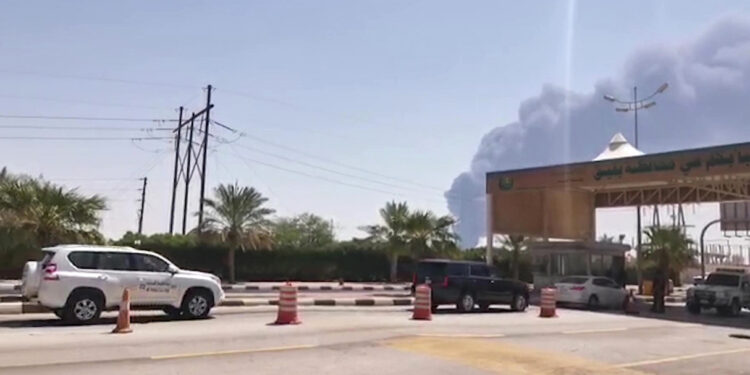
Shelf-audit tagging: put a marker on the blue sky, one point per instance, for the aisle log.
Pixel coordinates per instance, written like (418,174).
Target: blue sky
(399,88)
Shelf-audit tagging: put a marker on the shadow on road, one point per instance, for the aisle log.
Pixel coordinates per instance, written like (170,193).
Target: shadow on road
(53,321)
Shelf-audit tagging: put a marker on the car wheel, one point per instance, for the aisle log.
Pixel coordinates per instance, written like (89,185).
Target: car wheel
(593,303)
(196,304)
(173,312)
(465,303)
(83,308)
(519,303)
(735,309)
(693,308)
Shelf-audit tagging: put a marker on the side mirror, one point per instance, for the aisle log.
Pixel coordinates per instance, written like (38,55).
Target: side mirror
(173,270)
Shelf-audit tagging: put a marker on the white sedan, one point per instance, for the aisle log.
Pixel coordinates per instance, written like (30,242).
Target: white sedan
(592,291)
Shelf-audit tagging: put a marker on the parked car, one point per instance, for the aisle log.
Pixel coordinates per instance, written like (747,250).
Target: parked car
(78,282)
(591,291)
(727,290)
(470,284)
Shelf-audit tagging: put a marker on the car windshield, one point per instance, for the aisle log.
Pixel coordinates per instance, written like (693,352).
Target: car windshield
(722,279)
(573,280)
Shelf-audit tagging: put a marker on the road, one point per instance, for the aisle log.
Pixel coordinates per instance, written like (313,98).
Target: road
(379,341)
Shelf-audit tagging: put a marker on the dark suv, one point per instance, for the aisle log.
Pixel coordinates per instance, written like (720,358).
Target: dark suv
(467,284)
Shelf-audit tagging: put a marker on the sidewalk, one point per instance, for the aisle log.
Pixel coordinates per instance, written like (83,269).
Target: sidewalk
(12,308)
(316,286)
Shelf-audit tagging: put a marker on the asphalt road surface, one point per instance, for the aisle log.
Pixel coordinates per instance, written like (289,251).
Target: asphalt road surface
(380,341)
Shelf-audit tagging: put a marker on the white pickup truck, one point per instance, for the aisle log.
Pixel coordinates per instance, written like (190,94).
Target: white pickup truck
(727,290)
(78,282)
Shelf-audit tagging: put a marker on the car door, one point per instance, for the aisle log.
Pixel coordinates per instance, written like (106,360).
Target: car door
(156,285)
(600,287)
(480,280)
(116,274)
(611,293)
(502,289)
(746,291)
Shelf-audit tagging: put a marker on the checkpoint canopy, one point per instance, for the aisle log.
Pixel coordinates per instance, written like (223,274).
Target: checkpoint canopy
(559,201)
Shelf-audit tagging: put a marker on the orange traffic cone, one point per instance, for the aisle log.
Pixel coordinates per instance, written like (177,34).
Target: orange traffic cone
(630,304)
(123,319)
(422,303)
(287,305)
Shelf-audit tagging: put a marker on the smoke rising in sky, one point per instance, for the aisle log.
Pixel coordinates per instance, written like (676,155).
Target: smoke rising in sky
(706,104)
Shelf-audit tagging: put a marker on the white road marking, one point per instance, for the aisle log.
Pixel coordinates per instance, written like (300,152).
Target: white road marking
(603,330)
(461,335)
(227,352)
(682,358)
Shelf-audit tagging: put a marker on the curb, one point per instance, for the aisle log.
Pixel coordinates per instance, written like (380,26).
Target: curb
(14,308)
(269,288)
(10,288)
(10,308)
(322,302)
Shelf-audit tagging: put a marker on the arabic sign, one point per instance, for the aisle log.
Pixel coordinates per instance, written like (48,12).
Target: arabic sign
(665,167)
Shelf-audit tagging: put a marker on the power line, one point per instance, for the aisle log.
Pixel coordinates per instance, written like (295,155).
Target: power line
(325,169)
(319,177)
(87,118)
(334,162)
(98,128)
(100,79)
(102,104)
(86,138)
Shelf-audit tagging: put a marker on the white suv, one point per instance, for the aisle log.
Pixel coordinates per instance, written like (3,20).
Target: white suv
(77,282)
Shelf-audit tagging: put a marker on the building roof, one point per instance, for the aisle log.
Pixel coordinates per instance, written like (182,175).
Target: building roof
(617,148)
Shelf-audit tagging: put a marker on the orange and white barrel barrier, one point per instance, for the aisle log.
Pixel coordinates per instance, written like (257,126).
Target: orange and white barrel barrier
(287,305)
(548,303)
(422,303)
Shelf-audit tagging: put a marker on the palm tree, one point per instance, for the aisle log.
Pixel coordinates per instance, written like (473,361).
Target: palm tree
(514,244)
(55,215)
(429,234)
(406,232)
(393,234)
(237,217)
(666,252)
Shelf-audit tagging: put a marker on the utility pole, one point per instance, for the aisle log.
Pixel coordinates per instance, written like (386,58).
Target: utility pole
(188,159)
(175,179)
(205,156)
(187,175)
(143,205)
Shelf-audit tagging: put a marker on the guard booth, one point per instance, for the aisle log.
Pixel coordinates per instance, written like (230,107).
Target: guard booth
(553,260)
(560,201)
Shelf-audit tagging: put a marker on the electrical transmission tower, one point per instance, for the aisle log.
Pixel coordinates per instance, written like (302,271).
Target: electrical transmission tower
(190,159)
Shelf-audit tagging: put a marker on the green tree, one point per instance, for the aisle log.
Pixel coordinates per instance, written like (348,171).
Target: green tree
(430,235)
(392,234)
(405,232)
(305,231)
(514,244)
(53,214)
(236,216)
(666,252)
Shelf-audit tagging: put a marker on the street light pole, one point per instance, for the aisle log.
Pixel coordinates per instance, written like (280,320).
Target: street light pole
(634,106)
(638,224)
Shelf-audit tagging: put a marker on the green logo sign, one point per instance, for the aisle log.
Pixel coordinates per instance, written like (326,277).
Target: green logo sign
(506,183)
